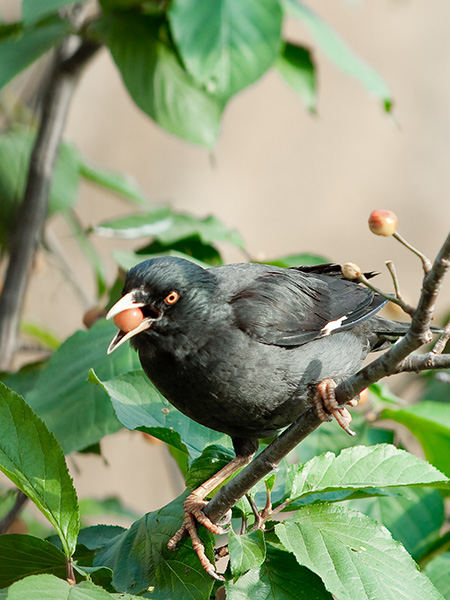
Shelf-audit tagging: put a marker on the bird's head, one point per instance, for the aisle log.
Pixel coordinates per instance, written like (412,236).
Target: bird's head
(160,296)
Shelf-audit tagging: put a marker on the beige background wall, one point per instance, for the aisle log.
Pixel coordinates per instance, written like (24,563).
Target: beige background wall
(288,181)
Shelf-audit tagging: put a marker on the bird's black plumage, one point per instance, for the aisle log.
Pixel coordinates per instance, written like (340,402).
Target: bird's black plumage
(245,345)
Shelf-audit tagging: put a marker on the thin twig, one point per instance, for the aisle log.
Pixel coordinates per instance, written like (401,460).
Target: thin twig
(439,346)
(17,508)
(395,360)
(426,262)
(393,272)
(407,308)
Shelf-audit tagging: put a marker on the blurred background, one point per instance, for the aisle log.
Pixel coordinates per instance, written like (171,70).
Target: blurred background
(288,181)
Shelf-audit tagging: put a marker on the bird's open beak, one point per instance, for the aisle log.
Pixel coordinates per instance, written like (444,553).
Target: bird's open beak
(125,303)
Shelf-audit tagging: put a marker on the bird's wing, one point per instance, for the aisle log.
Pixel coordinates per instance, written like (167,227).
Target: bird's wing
(291,308)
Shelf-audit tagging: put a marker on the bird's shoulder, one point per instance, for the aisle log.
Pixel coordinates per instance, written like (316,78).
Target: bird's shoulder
(292,306)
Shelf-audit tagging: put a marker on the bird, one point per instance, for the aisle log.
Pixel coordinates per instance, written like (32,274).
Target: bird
(246,348)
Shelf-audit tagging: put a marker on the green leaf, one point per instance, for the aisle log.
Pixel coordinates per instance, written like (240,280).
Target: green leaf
(362,468)
(414,520)
(42,335)
(139,405)
(280,577)
(338,52)
(119,183)
(294,260)
(140,558)
(157,81)
(192,247)
(246,552)
(32,458)
(23,47)
(229,44)
(212,459)
(356,557)
(33,11)
(22,555)
(169,227)
(430,423)
(24,380)
(438,570)
(48,587)
(63,395)
(92,507)
(296,67)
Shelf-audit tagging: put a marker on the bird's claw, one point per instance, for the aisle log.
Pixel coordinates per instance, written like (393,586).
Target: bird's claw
(327,406)
(193,511)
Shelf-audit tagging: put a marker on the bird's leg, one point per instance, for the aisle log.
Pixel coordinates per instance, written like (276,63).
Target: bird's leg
(327,405)
(193,511)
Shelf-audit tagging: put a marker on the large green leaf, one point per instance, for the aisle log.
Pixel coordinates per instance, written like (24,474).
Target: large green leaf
(296,67)
(19,50)
(139,405)
(32,458)
(356,557)
(337,51)
(280,577)
(23,555)
(77,412)
(246,552)
(414,518)
(157,81)
(49,587)
(169,227)
(227,44)
(140,558)
(438,570)
(123,185)
(33,11)
(430,423)
(361,468)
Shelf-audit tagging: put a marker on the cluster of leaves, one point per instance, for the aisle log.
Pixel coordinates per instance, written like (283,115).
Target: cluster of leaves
(183,61)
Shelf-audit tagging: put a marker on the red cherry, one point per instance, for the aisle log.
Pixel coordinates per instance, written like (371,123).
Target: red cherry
(383,222)
(127,320)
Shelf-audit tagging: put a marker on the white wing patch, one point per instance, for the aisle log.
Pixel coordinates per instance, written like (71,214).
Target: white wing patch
(332,325)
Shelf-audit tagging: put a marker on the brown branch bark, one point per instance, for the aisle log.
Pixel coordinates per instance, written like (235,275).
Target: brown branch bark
(68,64)
(397,359)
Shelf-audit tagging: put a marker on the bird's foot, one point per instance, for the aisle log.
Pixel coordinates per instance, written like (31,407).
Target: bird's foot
(327,405)
(193,511)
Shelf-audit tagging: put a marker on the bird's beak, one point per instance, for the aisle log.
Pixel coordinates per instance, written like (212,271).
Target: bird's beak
(125,303)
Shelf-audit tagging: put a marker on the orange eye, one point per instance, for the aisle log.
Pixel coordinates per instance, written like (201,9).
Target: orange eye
(172,297)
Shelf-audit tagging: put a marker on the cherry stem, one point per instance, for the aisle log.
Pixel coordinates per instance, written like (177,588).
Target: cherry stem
(409,310)
(426,262)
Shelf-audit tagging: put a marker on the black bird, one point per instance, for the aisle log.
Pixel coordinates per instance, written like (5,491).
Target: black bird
(245,349)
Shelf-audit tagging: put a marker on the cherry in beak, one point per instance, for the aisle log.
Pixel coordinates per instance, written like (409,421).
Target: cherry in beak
(127,303)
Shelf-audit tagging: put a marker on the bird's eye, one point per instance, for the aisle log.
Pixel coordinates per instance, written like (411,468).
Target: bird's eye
(172,298)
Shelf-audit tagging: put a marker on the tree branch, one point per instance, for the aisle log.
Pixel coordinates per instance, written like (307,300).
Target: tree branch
(397,359)
(68,64)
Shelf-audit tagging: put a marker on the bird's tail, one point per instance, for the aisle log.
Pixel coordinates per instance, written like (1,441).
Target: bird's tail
(388,332)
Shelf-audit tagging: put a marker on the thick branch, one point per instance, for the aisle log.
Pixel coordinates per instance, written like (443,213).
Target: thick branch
(395,360)
(33,211)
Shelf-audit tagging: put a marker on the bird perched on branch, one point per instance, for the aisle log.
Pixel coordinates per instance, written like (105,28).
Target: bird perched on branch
(245,349)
